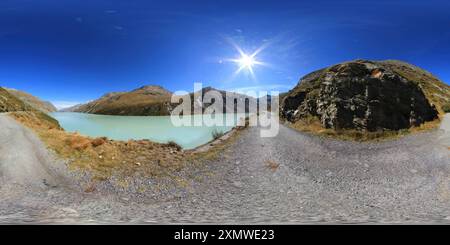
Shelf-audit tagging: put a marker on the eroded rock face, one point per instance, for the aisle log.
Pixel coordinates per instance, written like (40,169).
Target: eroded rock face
(363,95)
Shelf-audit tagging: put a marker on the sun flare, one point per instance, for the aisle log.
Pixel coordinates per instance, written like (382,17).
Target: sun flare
(246,61)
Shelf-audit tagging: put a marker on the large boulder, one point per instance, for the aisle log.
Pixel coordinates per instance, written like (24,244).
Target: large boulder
(363,95)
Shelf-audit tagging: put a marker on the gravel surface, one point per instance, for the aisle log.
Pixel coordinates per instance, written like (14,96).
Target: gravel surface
(292,178)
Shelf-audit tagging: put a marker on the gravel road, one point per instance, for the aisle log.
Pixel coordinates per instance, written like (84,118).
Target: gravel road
(292,178)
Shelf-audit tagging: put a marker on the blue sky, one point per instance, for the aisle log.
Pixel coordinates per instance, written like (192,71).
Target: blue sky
(75,51)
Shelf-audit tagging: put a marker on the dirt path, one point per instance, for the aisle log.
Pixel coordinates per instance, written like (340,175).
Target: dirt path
(296,178)
(31,179)
(23,157)
(291,178)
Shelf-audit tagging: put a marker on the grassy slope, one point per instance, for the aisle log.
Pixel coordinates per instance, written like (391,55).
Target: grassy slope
(33,100)
(9,102)
(149,100)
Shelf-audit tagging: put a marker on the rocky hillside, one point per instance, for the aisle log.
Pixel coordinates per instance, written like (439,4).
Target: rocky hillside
(144,101)
(33,101)
(14,105)
(237,98)
(9,102)
(367,96)
(151,101)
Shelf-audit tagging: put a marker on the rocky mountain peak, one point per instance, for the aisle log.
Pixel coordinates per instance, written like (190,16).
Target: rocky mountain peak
(152,89)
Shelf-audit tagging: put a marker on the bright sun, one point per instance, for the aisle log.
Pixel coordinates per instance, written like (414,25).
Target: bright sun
(246,61)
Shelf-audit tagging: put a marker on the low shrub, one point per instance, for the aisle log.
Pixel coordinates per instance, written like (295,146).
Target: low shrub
(99,141)
(77,142)
(216,134)
(446,108)
(175,145)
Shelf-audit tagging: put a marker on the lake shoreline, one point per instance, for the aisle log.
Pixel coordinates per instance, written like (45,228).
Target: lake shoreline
(159,129)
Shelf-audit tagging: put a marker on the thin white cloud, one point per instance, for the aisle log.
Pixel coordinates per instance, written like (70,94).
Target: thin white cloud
(111,11)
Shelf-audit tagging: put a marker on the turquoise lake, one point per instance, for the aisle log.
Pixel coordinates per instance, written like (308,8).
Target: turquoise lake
(155,128)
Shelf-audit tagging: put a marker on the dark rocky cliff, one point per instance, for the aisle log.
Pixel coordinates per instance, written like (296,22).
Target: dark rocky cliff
(365,95)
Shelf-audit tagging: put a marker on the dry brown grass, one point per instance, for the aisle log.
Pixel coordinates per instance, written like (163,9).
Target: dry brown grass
(272,165)
(312,125)
(150,101)
(9,102)
(33,101)
(103,157)
(99,141)
(90,188)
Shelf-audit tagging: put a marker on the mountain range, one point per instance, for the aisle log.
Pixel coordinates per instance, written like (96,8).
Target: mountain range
(155,101)
(144,101)
(362,94)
